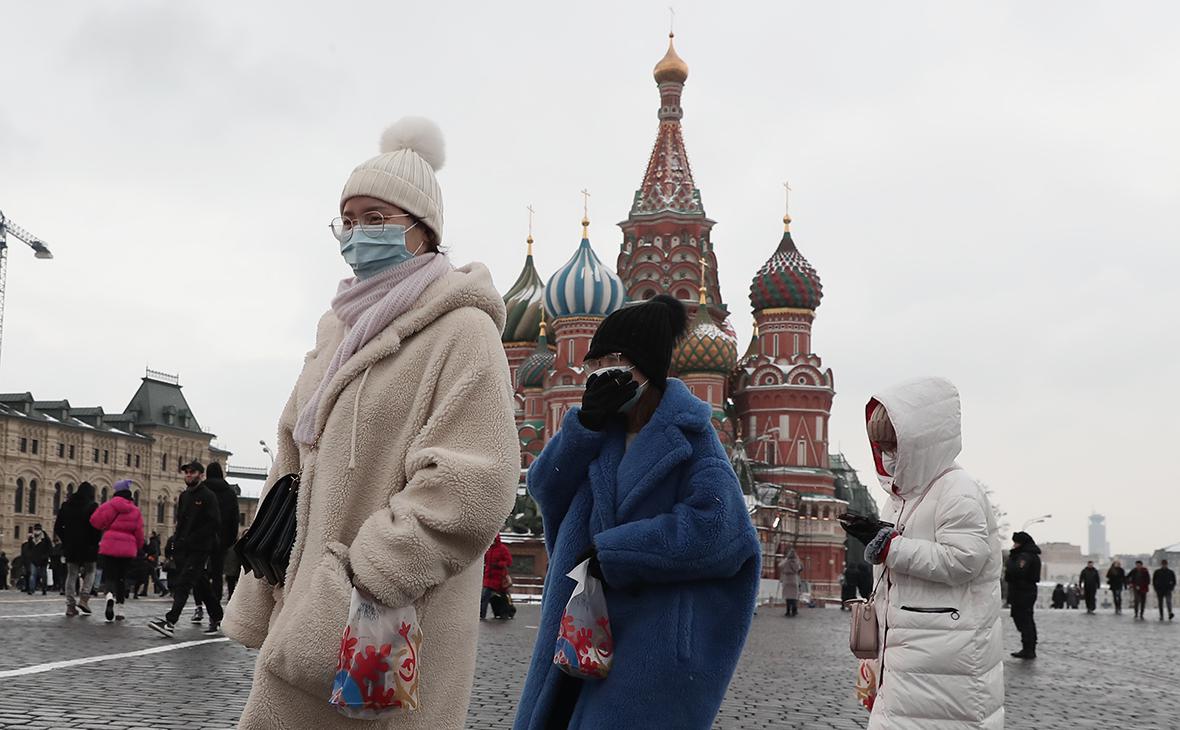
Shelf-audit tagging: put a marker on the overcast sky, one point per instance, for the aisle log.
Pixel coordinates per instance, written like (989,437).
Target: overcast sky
(988,190)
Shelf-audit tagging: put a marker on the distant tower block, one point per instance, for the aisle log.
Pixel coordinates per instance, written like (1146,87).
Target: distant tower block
(1098,545)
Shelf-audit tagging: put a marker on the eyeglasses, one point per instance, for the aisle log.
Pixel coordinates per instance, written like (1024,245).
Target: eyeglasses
(613,360)
(372,224)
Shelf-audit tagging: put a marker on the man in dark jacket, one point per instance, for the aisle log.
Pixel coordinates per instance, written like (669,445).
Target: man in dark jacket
(79,541)
(37,560)
(1022,573)
(1115,578)
(198,525)
(227,502)
(1090,580)
(1139,579)
(1164,582)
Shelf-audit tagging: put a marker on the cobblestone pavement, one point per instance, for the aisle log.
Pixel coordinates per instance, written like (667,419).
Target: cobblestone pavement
(1094,671)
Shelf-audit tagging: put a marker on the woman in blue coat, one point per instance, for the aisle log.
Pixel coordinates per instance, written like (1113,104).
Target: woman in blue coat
(637,481)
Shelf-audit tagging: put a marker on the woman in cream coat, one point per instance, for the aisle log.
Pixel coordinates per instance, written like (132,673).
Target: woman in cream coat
(401,427)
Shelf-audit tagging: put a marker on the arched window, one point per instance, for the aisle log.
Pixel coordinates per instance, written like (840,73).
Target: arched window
(20,496)
(827,513)
(32,497)
(69,490)
(160,510)
(649,293)
(56,497)
(135,498)
(103,496)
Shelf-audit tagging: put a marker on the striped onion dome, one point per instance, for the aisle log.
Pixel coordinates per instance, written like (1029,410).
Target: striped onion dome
(531,373)
(706,348)
(583,287)
(787,279)
(523,302)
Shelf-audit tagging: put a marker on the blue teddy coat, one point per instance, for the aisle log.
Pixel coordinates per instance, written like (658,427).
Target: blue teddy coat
(680,557)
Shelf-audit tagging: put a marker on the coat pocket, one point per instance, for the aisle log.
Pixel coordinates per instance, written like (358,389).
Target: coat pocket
(684,628)
(954,612)
(304,648)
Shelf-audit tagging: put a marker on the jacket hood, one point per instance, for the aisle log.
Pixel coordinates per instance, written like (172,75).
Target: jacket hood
(926,415)
(680,408)
(218,485)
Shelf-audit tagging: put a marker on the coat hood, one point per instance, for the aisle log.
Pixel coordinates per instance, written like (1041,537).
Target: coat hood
(926,416)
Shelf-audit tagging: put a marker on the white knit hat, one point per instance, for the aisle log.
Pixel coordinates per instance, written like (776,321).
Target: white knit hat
(412,150)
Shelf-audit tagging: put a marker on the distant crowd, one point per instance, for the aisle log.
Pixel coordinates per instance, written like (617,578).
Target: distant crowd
(1140,581)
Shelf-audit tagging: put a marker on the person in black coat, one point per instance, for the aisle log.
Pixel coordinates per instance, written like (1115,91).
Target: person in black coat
(1116,578)
(3,571)
(1023,572)
(1058,600)
(198,529)
(79,540)
(227,502)
(36,551)
(1089,581)
(1164,582)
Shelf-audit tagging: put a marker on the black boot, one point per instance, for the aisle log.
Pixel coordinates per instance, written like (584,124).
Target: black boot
(1028,650)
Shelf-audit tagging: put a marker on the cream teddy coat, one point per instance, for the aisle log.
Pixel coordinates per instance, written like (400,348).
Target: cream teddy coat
(414,472)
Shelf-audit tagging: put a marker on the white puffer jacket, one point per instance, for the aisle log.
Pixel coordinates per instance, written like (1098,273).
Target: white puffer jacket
(939,604)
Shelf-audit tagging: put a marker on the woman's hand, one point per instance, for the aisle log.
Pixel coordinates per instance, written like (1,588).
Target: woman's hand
(605,395)
(878,549)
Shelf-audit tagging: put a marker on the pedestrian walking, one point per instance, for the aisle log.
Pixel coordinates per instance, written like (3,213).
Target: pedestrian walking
(1139,580)
(140,571)
(1073,596)
(941,650)
(496,562)
(35,552)
(18,569)
(122,534)
(1164,582)
(152,553)
(227,505)
(1089,580)
(1116,578)
(789,570)
(231,571)
(401,425)
(3,571)
(80,541)
(1023,573)
(198,526)
(638,482)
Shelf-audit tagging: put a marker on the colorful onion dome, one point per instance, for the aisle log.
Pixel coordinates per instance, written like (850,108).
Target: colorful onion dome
(583,287)
(706,348)
(523,303)
(671,67)
(531,373)
(787,279)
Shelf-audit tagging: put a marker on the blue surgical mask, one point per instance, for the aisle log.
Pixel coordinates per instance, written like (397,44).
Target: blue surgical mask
(626,407)
(369,255)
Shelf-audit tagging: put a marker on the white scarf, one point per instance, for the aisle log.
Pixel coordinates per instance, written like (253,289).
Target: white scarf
(368,306)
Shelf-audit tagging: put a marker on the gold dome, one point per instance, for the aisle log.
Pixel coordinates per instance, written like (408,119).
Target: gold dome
(671,67)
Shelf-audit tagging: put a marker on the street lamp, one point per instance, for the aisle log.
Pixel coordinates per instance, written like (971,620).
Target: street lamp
(266,450)
(1034,521)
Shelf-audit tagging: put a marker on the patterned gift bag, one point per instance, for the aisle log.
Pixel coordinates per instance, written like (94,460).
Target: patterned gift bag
(585,648)
(866,682)
(377,668)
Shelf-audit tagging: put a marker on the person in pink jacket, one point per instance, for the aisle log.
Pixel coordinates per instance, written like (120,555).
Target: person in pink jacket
(122,534)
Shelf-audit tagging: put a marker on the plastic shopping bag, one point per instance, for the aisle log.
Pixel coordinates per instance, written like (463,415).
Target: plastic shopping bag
(585,648)
(377,668)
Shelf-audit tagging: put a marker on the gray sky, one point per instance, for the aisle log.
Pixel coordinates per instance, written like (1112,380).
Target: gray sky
(989,191)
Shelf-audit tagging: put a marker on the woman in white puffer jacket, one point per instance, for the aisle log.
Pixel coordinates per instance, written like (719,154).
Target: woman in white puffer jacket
(938,603)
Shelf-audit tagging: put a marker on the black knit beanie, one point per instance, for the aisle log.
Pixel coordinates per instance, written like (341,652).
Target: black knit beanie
(646,333)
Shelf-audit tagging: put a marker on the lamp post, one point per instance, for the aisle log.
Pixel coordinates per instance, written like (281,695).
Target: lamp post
(1034,521)
(266,450)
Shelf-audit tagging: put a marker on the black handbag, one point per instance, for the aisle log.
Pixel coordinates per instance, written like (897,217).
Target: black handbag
(265,548)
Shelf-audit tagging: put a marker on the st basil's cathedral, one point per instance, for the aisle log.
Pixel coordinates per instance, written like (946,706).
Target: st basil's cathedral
(771,405)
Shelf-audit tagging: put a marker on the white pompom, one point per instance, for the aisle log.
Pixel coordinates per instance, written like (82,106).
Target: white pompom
(418,134)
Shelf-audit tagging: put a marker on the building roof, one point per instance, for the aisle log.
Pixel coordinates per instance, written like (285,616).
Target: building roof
(583,286)
(159,402)
(706,348)
(787,279)
(523,303)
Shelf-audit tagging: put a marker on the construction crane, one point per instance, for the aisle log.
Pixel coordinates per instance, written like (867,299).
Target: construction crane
(40,250)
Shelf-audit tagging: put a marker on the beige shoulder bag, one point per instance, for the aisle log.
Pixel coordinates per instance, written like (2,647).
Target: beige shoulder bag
(865,639)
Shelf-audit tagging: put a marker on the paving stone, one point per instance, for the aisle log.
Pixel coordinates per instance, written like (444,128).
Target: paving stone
(794,673)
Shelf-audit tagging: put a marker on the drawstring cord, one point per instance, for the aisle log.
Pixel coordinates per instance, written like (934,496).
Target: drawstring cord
(356,408)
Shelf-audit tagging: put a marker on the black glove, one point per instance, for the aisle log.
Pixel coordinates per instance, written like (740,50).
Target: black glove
(594,569)
(605,395)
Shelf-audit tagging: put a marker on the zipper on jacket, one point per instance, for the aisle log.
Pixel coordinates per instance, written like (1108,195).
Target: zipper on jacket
(954,612)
